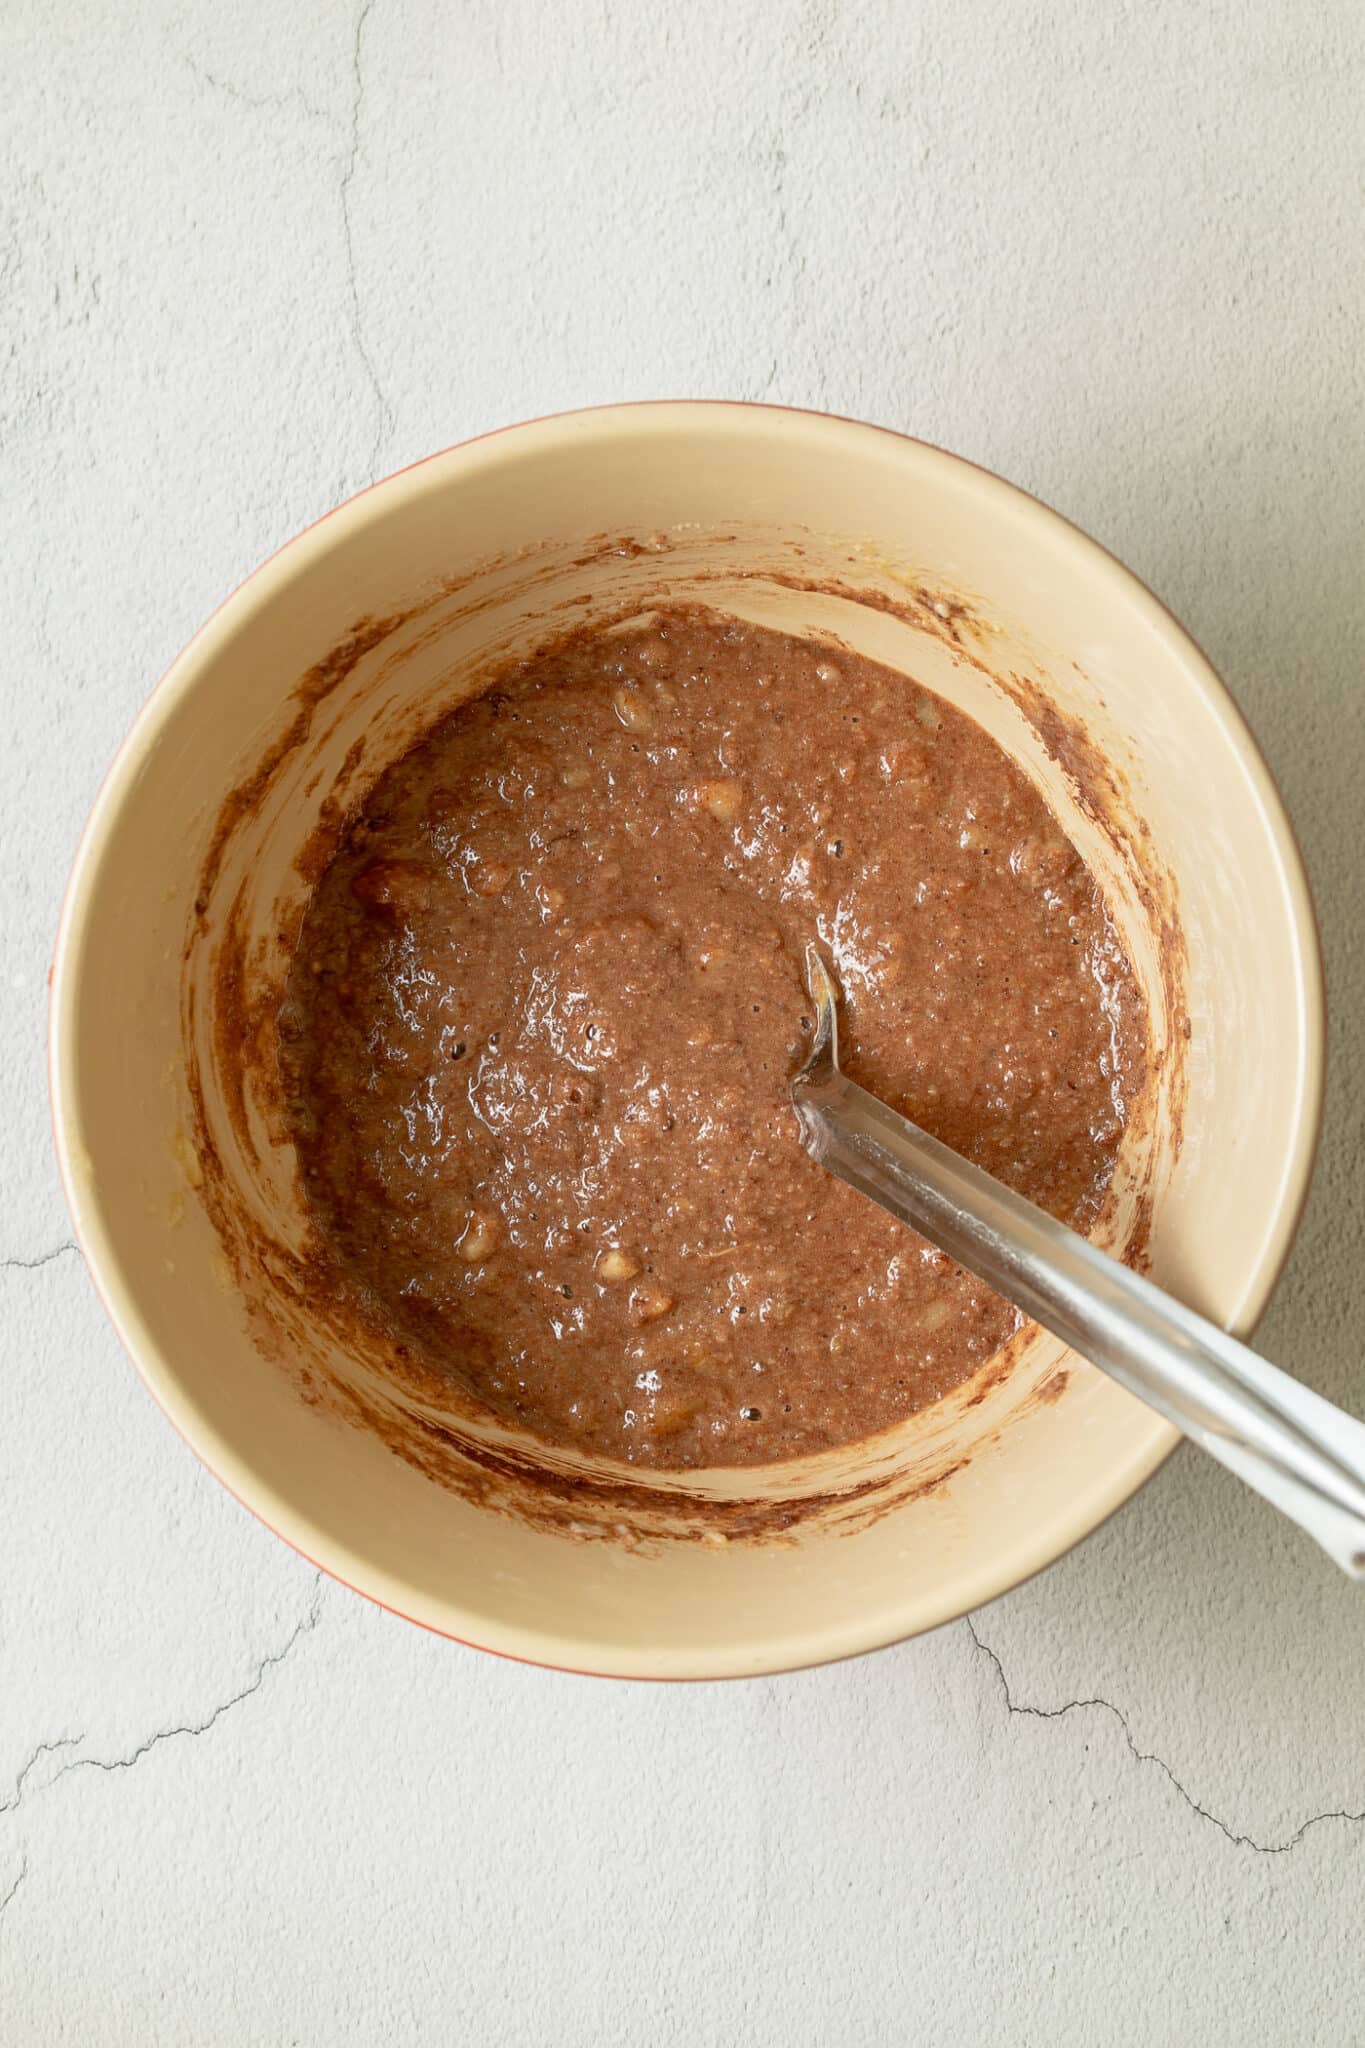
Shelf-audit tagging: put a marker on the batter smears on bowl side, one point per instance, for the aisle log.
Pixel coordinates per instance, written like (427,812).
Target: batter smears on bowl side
(548,996)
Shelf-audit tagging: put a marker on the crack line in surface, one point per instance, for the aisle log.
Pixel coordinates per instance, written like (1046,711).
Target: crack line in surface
(1145,1756)
(8,1898)
(384,419)
(271,1662)
(279,101)
(21,1265)
(30,1763)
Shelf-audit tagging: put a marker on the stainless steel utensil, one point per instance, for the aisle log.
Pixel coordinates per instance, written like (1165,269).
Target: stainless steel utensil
(1301,1452)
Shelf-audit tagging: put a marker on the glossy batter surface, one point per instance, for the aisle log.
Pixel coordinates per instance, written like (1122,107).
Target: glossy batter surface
(548,997)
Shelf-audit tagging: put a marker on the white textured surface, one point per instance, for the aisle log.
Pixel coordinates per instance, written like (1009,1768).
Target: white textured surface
(251,256)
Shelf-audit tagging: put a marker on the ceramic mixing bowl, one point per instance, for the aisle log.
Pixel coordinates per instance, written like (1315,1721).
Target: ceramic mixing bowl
(186,896)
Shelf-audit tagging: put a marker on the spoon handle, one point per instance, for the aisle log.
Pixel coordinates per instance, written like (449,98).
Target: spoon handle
(1301,1452)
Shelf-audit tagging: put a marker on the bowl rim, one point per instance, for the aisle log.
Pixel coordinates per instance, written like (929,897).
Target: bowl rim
(1153,1441)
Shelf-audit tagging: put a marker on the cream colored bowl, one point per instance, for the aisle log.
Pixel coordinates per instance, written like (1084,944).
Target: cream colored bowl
(187,890)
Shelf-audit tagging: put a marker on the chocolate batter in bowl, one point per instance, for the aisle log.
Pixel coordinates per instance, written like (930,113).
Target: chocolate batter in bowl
(396,1189)
(548,995)
(366,1390)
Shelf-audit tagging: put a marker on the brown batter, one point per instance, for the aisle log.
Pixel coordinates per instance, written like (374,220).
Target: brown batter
(548,997)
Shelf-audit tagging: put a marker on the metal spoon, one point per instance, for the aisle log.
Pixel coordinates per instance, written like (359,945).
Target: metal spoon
(1301,1452)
